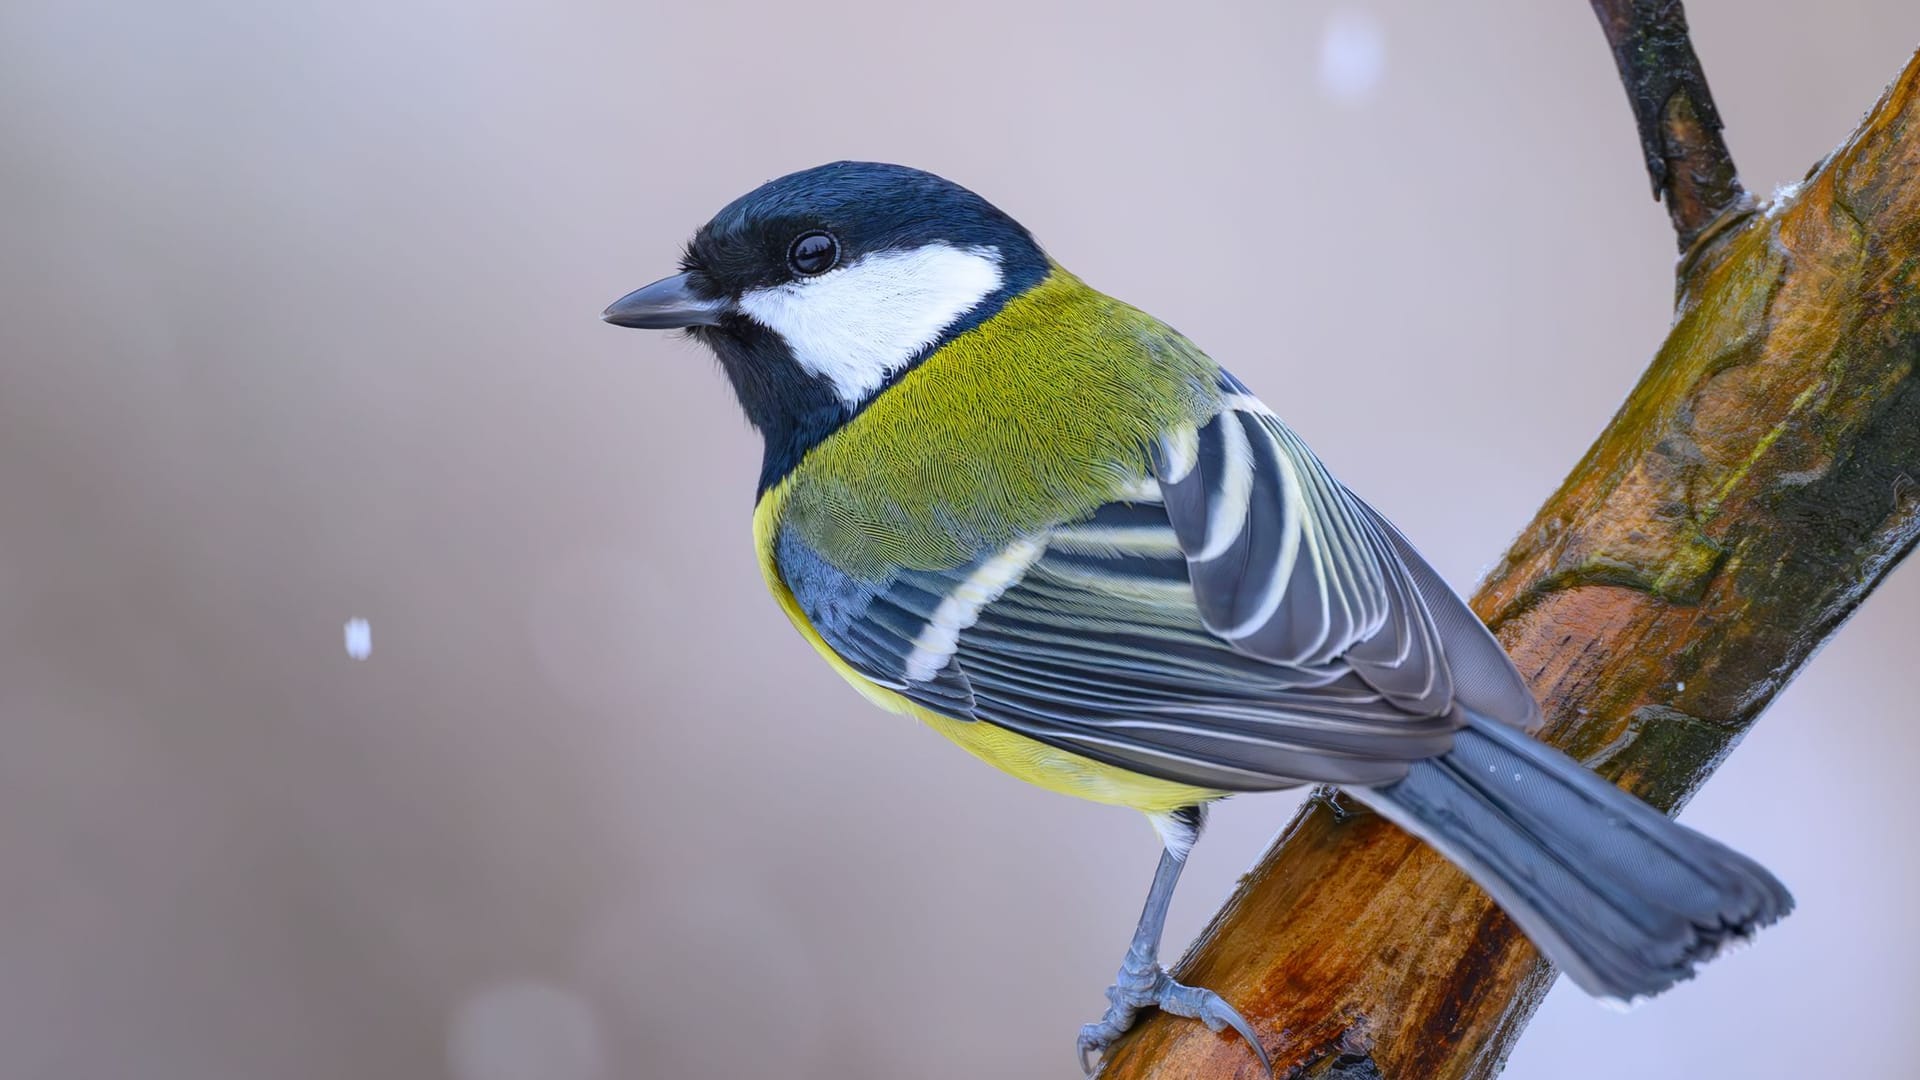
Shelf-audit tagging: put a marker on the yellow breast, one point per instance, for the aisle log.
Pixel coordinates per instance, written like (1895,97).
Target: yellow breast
(1035,762)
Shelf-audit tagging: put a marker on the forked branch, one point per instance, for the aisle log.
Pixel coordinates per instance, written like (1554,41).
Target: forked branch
(1759,482)
(1687,159)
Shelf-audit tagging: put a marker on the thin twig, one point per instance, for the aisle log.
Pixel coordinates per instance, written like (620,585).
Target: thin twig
(1687,159)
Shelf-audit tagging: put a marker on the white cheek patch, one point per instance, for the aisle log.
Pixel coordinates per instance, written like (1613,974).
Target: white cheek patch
(860,323)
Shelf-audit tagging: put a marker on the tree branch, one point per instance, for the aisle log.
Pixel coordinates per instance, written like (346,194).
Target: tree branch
(1758,483)
(1687,159)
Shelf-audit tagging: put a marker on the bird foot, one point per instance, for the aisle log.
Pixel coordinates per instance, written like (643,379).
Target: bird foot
(1142,982)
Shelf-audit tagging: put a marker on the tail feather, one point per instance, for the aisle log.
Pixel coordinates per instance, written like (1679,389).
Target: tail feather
(1624,899)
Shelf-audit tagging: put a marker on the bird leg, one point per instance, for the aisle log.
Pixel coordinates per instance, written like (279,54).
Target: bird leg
(1142,982)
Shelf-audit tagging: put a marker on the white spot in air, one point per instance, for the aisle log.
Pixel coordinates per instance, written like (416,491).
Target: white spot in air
(1679,686)
(359,639)
(525,1030)
(1353,56)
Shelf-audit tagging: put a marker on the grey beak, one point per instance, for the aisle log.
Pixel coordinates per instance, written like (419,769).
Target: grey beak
(667,304)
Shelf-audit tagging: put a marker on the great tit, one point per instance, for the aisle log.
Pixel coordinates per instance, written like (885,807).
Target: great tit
(1050,528)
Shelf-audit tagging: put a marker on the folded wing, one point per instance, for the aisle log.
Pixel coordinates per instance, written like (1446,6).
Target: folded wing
(1240,621)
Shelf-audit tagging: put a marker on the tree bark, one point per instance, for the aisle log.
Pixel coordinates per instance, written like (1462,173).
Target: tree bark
(1758,483)
(1687,160)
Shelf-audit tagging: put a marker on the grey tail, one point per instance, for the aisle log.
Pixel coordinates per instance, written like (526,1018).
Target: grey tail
(1624,899)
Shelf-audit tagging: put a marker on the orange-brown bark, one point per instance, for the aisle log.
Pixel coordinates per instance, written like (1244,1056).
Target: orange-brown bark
(1757,484)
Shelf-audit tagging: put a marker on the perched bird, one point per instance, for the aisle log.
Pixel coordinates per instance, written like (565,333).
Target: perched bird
(1046,525)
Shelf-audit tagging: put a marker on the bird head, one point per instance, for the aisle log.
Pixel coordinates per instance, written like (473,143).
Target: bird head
(819,289)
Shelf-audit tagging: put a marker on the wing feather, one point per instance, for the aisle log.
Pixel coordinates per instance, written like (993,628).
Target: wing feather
(1240,622)
(1323,579)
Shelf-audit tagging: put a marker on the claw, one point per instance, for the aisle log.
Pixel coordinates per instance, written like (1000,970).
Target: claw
(1140,986)
(1212,1010)
(1142,982)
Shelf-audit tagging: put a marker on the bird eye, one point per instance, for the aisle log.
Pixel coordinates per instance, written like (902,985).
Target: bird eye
(813,253)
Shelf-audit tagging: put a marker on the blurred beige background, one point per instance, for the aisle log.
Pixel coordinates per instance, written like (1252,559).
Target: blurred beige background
(298,324)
